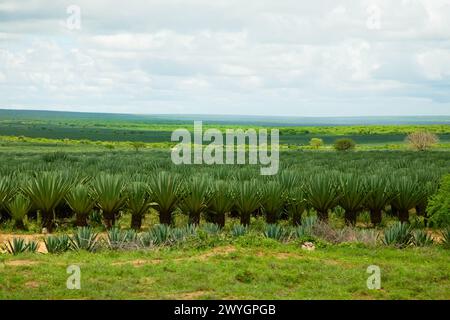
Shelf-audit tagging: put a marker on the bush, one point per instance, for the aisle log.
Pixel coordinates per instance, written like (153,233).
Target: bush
(316,143)
(422,140)
(344,144)
(439,205)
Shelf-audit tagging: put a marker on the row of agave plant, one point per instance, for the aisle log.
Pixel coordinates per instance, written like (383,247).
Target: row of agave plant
(398,235)
(287,196)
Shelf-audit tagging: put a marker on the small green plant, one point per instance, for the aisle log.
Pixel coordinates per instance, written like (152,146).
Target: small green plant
(421,238)
(18,209)
(159,234)
(19,245)
(277,232)
(399,235)
(57,244)
(85,239)
(238,230)
(344,144)
(211,228)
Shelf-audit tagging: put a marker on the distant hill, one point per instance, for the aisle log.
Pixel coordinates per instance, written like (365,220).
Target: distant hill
(8,114)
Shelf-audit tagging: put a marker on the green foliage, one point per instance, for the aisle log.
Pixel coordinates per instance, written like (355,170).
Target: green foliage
(195,199)
(46,191)
(18,207)
(57,244)
(247,200)
(421,238)
(399,235)
(344,144)
(109,194)
(446,237)
(272,201)
(85,239)
(353,194)
(238,230)
(316,143)
(19,245)
(165,191)
(439,205)
(138,202)
(80,201)
(322,193)
(277,232)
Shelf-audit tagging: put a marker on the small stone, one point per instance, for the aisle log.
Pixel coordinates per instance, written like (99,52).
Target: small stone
(309,246)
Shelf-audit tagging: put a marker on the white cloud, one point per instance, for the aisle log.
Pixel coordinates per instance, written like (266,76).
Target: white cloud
(199,56)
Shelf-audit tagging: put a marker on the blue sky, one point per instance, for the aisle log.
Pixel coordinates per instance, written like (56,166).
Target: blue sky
(254,57)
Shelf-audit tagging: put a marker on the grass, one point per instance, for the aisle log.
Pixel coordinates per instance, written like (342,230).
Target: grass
(236,270)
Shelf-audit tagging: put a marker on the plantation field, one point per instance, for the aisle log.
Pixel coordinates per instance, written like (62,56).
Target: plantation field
(75,190)
(85,127)
(245,269)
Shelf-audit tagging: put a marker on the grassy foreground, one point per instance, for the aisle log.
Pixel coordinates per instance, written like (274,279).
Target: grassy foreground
(244,269)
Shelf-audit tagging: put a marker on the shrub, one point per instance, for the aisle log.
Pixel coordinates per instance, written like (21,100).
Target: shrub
(422,140)
(439,205)
(344,144)
(316,143)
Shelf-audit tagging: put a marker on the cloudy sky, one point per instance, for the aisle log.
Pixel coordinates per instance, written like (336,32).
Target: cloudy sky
(255,57)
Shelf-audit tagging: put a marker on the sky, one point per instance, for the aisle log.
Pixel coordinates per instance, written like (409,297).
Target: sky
(252,57)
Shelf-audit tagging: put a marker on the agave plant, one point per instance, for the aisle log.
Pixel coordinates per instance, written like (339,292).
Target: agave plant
(220,203)
(247,200)
(138,203)
(408,195)
(195,199)
(377,198)
(238,230)
(85,239)
(18,208)
(159,234)
(421,238)
(272,201)
(110,196)
(6,191)
(322,194)
(353,195)
(80,201)
(165,192)
(275,231)
(399,234)
(57,244)
(296,205)
(211,228)
(46,192)
(19,245)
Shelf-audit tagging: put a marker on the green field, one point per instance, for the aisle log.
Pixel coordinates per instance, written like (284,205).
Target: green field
(245,269)
(48,159)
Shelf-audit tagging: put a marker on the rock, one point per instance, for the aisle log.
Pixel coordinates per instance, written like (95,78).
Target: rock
(309,246)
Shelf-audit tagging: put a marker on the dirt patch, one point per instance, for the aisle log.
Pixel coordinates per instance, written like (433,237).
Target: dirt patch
(190,295)
(19,263)
(214,252)
(137,262)
(32,284)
